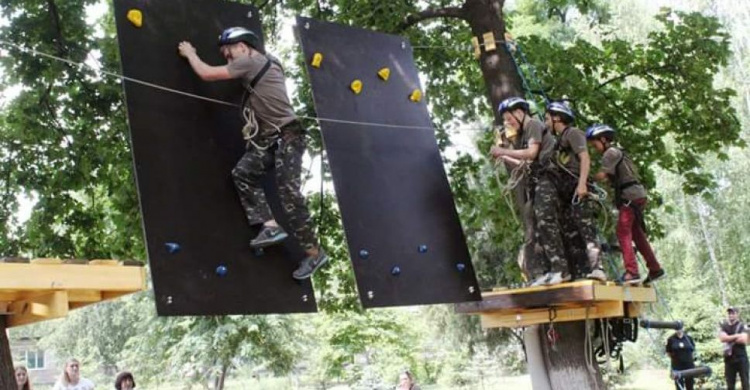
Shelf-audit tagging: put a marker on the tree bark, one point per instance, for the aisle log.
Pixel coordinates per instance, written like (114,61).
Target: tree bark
(7,375)
(566,364)
(221,378)
(498,69)
(700,209)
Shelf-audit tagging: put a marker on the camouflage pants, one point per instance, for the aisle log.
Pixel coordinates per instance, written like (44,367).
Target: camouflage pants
(286,157)
(534,261)
(579,227)
(546,215)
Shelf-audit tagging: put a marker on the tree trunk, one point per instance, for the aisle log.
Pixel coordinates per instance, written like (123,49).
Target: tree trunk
(700,209)
(532,340)
(498,69)
(219,384)
(566,364)
(7,375)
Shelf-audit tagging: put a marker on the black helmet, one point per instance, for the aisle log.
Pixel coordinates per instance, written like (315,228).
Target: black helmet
(239,34)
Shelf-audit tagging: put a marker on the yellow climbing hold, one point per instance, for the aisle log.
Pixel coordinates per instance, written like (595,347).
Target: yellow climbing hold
(136,17)
(416,96)
(384,74)
(356,86)
(316,60)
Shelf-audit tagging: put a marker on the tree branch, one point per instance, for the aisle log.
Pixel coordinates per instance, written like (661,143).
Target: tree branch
(633,73)
(431,13)
(55,18)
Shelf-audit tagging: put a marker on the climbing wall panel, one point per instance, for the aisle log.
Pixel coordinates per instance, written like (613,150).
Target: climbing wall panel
(402,228)
(184,150)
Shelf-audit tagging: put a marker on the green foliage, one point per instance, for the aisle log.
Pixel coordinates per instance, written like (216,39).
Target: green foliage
(66,136)
(63,142)
(659,95)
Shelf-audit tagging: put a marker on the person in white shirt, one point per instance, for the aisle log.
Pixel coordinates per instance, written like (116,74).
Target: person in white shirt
(71,378)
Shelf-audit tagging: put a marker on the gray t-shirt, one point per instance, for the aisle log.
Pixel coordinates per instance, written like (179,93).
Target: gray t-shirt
(534,133)
(572,142)
(269,99)
(626,173)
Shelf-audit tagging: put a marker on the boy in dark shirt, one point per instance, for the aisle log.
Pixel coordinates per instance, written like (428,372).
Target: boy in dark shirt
(535,146)
(274,137)
(630,199)
(573,167)
(680,348)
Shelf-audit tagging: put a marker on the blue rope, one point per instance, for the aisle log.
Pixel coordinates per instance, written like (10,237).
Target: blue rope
(532,71)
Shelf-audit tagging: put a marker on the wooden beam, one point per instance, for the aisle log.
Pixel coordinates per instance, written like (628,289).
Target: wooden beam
(24,277)
(521,318)
(624,293)
(562,294)
(39,308)
(84,296)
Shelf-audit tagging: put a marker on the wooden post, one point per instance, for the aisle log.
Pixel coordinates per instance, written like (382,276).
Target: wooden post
(7,375)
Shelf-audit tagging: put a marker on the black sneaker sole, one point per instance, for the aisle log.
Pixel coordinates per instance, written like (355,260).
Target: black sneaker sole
(317,267)
(266,243)
(650,280)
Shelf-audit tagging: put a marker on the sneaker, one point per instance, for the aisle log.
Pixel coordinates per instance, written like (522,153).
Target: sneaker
(654,276)
(309,265)
(540,281)
(268,236)
(592,253)
(628,278)
(597,274)
(557,278)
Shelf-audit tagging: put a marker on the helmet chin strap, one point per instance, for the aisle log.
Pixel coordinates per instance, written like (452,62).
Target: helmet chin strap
(520,121)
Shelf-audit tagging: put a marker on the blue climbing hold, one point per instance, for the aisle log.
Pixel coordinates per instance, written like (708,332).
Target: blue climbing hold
(258,252)
(172,247)
(221,270)
(364,254)
(422,249)
(460,267)
(396,271)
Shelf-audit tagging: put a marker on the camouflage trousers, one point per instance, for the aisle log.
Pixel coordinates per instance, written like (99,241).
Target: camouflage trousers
(578,222)
(546,221)
(285,155)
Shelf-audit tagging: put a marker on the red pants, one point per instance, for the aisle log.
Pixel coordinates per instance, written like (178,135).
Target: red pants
(629,231)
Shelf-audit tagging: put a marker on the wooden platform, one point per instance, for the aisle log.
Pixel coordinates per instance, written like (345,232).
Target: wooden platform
(42,289)
(575,301)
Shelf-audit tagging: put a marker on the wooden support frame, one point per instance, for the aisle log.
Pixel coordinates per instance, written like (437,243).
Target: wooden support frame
(576,301)
(43,289)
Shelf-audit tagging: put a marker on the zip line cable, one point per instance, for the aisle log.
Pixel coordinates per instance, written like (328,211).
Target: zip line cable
(81,66)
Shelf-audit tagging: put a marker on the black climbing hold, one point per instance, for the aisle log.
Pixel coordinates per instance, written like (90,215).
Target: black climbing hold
(172,247)
(221,270)
(364,254)
(460,267)
(396,271)
(422,249)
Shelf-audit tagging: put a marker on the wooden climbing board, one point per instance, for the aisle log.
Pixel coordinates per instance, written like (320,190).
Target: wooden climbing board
(43,289)
(405,238)
(576,301)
